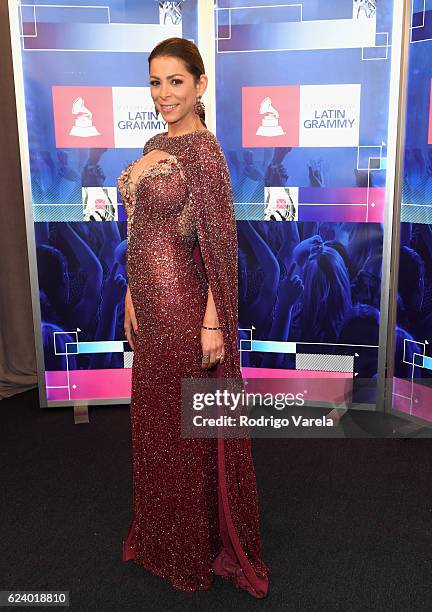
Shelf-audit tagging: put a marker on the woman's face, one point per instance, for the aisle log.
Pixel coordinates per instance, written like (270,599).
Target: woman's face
(174,90)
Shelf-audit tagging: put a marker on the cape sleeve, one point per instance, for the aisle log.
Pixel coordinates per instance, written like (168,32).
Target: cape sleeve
(210,187)
(212,201)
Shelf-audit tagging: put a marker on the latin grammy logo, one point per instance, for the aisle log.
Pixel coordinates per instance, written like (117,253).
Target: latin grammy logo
(83,123)
(281,204)
(100,203)
(270,122)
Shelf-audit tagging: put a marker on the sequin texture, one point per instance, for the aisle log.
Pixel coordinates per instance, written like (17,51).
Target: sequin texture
(194,500)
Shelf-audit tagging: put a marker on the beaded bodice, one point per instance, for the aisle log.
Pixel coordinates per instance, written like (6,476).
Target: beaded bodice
(128,189)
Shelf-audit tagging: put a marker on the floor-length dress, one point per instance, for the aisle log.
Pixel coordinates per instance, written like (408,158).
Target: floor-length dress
(194,499)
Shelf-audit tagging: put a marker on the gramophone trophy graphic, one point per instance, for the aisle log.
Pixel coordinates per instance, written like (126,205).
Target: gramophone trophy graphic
(270,122)
(83,123)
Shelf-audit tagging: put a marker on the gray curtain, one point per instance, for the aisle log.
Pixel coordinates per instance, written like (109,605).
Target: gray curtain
(18,370)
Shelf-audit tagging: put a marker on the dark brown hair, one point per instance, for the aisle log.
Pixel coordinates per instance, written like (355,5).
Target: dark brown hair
(185,50)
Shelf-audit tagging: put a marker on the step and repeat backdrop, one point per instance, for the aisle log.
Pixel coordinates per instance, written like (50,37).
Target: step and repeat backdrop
(412,389)
(302,111)
(89,113)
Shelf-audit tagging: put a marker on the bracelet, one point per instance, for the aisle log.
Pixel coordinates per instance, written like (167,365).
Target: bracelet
(205,327)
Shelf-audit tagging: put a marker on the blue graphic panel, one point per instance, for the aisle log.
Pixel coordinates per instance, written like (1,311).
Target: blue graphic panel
(412,389)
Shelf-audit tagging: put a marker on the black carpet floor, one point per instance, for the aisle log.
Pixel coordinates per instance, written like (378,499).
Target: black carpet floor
(346,523)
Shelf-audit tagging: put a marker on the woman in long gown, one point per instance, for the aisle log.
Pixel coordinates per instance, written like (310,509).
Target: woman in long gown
(194,499)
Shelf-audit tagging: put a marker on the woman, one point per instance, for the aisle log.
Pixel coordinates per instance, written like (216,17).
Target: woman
(194,500)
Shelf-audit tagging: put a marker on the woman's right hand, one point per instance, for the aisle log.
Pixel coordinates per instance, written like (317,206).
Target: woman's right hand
(130,322)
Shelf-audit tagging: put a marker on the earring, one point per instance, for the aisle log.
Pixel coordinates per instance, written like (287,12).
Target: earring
(199,107)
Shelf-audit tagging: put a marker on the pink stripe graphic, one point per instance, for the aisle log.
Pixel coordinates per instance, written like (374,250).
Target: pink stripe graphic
(335,387)
(412,398)
(89,384)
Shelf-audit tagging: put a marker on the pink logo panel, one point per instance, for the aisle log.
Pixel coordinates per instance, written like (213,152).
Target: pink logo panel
(271,116)
(83,116)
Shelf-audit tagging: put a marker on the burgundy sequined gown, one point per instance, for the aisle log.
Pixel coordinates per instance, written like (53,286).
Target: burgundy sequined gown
(194,500)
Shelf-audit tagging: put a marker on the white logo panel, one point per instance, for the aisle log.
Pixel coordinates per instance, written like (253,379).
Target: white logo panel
(329,115)
(135,119)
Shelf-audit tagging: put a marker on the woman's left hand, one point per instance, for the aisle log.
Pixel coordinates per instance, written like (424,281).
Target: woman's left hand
(212,346)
